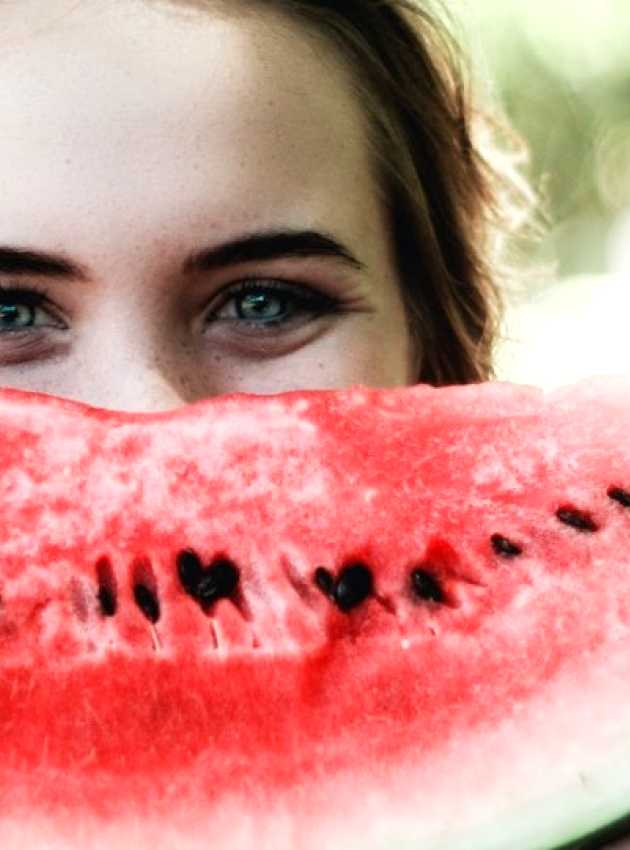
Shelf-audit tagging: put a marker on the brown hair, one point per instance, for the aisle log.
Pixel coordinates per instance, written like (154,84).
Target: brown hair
(449,193)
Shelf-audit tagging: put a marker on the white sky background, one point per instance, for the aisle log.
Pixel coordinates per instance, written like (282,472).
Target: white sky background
(578,326)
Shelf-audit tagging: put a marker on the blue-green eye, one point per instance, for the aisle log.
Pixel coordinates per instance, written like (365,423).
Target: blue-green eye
(19,309)
(11,314)
(261,306)
(271,306)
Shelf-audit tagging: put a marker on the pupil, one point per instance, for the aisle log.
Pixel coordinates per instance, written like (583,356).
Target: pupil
(258,302)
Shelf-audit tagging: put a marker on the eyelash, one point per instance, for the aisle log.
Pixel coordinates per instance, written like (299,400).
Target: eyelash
(304,301)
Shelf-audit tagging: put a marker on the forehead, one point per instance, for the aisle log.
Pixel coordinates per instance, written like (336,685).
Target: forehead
(130,118)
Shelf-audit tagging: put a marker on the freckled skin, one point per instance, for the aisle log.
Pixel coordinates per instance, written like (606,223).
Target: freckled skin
(138,133)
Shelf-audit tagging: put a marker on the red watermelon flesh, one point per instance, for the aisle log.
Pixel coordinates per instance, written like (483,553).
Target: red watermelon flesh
(318,620)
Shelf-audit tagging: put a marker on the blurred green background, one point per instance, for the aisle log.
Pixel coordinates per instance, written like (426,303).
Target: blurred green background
(561,69)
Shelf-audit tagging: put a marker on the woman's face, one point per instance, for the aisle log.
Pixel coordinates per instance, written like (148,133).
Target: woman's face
(159,159)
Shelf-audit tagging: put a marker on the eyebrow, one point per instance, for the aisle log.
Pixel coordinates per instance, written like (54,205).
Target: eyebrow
(259,246)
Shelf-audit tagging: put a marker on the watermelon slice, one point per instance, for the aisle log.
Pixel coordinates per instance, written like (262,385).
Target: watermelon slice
(317,621)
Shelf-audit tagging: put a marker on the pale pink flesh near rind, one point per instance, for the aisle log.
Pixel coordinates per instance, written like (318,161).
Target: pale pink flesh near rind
(275,706)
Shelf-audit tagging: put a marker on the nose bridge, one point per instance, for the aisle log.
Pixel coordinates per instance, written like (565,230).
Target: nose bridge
(132,384)
(126,366)
(139,387)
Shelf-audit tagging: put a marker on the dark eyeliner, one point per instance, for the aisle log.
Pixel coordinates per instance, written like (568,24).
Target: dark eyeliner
(32,296)
(301,299)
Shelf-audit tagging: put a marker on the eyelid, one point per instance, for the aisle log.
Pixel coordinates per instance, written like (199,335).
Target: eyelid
(307,305)
(30,293)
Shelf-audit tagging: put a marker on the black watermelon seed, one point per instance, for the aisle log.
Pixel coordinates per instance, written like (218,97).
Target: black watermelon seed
(427,586)
(505,547)
(619,495)
(190,571)
(576,519)
(147,602)
(325,581)
(217,582)
(206,584)
(353,586)
(107,601)
(106,594)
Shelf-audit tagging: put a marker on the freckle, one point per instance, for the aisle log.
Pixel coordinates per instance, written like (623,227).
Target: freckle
(321,365)
(217,358)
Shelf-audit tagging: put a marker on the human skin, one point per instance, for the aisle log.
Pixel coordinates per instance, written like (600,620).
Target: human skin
(135,134)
